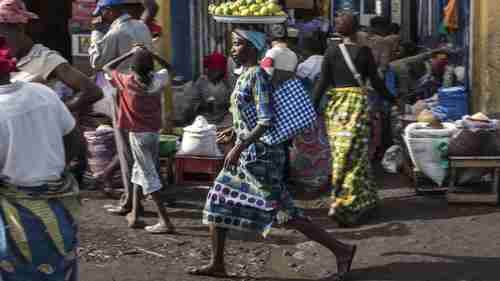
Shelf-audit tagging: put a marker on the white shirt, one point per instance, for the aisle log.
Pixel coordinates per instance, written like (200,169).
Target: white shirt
(310,68)
(123,33)
(37,65)
(33,122)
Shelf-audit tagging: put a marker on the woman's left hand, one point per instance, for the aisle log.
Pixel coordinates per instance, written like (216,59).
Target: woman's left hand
(233,157)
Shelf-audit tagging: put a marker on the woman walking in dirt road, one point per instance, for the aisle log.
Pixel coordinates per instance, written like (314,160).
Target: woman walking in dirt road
(250,193)
(347,119)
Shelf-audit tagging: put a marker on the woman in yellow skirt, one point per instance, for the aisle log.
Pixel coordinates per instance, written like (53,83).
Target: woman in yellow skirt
(344,104)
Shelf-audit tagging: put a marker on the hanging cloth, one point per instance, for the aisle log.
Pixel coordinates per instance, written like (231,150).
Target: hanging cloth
(451,17)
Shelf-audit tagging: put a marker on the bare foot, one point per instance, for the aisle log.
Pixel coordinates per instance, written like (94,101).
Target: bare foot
(132,220)
(209,270)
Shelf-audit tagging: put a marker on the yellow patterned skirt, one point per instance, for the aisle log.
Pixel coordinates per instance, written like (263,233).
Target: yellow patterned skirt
(38,231)
(347,121)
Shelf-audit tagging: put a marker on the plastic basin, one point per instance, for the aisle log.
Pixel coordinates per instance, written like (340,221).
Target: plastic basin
(168,145)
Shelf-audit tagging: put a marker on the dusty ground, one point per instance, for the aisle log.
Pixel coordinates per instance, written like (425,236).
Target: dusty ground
(414,238)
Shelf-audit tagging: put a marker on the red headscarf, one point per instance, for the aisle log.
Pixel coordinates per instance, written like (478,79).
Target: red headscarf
(7,62)
(215,61)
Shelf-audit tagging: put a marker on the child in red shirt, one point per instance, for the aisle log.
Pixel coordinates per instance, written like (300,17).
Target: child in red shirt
(139,113)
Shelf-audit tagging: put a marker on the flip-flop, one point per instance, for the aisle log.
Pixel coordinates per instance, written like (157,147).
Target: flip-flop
(119,211)
(159,229)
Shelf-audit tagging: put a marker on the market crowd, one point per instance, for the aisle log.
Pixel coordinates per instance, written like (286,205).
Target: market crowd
(43,154)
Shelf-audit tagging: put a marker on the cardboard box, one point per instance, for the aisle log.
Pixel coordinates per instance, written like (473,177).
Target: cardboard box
(300,4)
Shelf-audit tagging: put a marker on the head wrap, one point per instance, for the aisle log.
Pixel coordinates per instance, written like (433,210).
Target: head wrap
(258,39)
(215,61)
(14,11)
(7,62)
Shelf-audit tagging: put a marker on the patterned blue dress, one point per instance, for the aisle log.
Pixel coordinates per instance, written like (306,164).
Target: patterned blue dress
(254,196)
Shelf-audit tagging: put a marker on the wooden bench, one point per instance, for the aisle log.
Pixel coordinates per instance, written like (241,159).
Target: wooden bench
(460,196)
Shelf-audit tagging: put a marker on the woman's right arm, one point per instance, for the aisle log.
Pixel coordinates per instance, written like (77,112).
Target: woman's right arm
(325,78)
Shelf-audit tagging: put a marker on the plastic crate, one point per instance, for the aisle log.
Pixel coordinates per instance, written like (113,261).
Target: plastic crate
(455,100)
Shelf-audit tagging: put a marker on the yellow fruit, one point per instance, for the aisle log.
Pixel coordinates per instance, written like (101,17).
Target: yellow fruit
(250,2)
(254,8)
(281,14)
(245,13)
(219,11)
(259,2)
(273,8)
(264,11)
(257,14)
(227,11)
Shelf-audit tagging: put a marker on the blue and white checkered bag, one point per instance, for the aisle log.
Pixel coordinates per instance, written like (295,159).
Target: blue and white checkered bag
(293,112)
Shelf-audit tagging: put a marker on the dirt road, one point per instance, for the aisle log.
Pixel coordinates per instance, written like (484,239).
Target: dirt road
(413,238)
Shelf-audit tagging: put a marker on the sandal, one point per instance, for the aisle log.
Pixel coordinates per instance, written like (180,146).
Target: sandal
(122,211)
(159,229)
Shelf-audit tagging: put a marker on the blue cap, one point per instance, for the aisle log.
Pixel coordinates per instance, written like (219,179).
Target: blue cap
(104,4)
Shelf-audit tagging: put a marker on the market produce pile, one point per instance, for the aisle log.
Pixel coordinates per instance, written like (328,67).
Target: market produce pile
(247,8)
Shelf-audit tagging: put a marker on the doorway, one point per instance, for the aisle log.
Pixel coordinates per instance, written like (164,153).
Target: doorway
(51,29)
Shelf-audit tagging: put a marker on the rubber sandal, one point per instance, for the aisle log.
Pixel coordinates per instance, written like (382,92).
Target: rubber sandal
(159,229)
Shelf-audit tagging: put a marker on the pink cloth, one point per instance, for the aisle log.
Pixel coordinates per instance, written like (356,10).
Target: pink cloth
(7,63)
(14,11)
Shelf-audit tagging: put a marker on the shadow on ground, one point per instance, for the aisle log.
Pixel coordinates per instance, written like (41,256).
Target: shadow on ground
(453,269)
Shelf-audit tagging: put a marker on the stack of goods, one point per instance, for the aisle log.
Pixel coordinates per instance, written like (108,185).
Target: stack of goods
(478,136)
(101,151)
(247,8)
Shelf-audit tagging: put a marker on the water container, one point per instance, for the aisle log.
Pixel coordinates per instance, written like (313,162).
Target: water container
(455,100)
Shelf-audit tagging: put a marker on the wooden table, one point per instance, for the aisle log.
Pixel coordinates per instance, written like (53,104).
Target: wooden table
(456,163)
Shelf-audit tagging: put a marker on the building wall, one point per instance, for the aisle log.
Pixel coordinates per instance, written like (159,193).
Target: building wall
(486,57)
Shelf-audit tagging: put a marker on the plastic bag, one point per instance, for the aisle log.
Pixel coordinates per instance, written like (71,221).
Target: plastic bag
(200,139)
(106,104)
(427,158)
(421,130)
(393,159)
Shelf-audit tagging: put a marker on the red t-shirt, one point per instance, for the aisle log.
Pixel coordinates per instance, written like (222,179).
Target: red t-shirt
(139,110)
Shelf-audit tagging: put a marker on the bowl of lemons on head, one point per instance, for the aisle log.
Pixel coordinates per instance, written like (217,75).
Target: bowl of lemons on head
(248,11)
